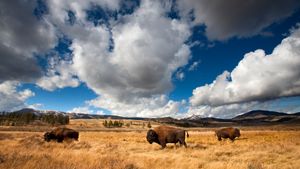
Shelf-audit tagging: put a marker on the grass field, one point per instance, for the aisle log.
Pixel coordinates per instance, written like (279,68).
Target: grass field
(255,149)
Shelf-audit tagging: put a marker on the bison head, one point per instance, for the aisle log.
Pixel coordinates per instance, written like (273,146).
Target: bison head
(48,136)
(152,136)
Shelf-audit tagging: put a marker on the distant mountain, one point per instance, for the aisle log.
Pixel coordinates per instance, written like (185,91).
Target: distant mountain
(26,110)
(206,119)
(28,116)
(39,112)
(89,116)
(75,115)
(297,114)
(267,117)
(96,116)
(198,121)
(193,117)
(255,117)
(258,114)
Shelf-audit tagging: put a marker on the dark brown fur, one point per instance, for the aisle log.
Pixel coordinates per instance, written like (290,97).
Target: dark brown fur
(165,134)
(229,132)
(59,134)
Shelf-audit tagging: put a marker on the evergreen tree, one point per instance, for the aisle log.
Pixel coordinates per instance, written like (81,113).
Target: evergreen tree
(110,123)
(105,124)
(149,125)
(120,123)
(116,124)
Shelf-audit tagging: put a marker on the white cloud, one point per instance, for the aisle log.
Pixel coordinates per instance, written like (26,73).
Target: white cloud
(59,8)
(225,111)
(86,110)
(60,74)
(141,64)
(36,106)
(179,75)
(134,78)
(143,59)
(157,106)
(257,77)
(226,19)
(11,98)
(196,43)
(194,66)
(286,105)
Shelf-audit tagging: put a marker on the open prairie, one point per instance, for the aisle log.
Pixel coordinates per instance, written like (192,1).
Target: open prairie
(128,149)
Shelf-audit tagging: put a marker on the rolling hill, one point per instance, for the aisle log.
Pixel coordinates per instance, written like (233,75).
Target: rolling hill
(255,117)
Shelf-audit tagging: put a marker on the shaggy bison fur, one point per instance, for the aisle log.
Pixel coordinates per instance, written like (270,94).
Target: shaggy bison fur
(229,132)
(164,134)
(59,134)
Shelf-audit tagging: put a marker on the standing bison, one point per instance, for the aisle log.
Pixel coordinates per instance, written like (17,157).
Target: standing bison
(229,132)
(60,134)
(164,134)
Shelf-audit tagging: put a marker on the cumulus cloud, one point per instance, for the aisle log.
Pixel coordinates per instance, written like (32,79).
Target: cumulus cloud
(60,74)
(142,61)
(257,77)
(16,66)
(156,106)
(35,106)
(127,60)
(230,18)
(85,110)
(11,98)
(287,105)
(22,35)
(59,8)
(224,111)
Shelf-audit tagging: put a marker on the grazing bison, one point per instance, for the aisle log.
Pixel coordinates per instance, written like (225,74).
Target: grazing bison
(59,134)
(229,132)
(164,134)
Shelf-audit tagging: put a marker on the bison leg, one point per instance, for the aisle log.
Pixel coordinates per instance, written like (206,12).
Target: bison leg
(182,142)
(163,144)
(219,138)
(232,139)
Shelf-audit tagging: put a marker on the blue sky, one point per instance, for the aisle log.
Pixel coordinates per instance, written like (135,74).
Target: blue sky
(150,58)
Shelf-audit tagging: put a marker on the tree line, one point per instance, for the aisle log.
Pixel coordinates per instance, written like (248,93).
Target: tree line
(16,118)
(116,123)
(120,123)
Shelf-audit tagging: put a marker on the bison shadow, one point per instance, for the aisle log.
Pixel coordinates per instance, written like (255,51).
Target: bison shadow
(197,146)
(243,138)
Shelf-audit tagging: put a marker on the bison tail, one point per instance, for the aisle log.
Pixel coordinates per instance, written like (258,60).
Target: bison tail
(187,134)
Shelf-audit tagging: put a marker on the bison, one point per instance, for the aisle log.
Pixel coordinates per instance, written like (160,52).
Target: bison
(59,134)
(229,132)
(164,134)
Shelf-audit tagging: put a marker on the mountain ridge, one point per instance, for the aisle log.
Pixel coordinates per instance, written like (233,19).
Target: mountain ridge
(254,117)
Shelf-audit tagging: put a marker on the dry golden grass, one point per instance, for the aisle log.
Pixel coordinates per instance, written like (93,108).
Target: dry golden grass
(255,149)
(97,124)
